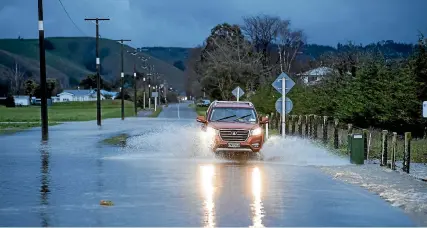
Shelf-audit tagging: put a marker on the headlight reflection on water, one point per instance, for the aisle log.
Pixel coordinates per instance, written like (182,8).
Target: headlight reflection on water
(257,208)
(207,177)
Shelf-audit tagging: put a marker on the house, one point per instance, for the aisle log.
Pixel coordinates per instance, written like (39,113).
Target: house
(315,75)
(22,100)
(113,95)
(78,95)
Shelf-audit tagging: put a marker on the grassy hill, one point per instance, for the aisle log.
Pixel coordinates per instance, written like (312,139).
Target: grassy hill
(175,56)
(72,59)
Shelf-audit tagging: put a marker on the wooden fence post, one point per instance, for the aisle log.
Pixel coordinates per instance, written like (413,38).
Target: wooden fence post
(315,125)
(300,125)
(293,124)
(336,143)
(384,148)
(365,143)
(287,124)
(349,129)
(393,151)
(306,126)
(325,129)
(407,156)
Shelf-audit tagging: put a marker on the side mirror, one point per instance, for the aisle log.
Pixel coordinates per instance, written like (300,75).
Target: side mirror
(263,120)
(201,119)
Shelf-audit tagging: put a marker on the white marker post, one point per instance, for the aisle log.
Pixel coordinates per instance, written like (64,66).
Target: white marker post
(144,100)
(266,129)
(155,104)
(283,105)
(155,101)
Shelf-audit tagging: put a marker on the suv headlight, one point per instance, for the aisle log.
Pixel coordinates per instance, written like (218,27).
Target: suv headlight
(212,131)
(256,131)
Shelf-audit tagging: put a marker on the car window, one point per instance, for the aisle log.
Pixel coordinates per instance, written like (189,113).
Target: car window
(233,115)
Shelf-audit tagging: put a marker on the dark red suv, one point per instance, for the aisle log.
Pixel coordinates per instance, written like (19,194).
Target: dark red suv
(233,126)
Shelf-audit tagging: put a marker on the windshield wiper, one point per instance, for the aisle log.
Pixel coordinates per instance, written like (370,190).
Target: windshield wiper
(243,116)
(228,117)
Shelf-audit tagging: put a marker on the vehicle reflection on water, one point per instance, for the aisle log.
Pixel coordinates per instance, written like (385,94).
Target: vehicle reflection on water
(257,208)
(209,177)
(208,189)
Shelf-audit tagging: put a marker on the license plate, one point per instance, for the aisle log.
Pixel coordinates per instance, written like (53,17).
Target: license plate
(234,145)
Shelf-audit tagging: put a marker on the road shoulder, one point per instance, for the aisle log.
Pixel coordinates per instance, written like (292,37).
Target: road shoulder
(400,190)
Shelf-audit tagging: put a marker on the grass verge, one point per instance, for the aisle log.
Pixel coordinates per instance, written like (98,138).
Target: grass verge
(67,111)
(11,128)
(156,113)
(118,140)
(201,111)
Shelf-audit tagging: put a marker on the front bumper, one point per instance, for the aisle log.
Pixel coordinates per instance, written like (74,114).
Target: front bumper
(252,144)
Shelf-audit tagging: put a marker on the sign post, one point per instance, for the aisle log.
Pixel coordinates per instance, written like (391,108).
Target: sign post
(283,84)
(154,95)
(238,92)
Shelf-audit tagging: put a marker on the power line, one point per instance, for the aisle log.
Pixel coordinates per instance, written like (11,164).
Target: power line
(72,21)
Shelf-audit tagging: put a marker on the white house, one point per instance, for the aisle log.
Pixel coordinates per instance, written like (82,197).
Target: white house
(22,100)
(113,95)
(78,95)
(315,75)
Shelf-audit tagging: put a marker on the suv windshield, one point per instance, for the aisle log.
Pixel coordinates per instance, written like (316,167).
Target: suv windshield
(233,115)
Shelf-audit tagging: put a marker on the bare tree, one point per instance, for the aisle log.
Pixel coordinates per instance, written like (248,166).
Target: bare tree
(16,78)
(289,43)
(231,62)
(347,59)
(262,30)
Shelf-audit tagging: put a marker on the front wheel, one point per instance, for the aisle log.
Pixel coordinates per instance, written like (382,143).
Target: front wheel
(257,156)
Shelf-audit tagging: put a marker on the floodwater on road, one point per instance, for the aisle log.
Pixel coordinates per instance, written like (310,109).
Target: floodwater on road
(165,177)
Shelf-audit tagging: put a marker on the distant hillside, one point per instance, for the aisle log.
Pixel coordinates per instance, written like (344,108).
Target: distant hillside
(71,59)
(391,49)
(175,56)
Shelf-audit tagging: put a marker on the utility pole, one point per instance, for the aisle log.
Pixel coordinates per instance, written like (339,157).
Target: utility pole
(98,69)
(134,99)
(149,86)
(122,76)
(43,87)
(165,90)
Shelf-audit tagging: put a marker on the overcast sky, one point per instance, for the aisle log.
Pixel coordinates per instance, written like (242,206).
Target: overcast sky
(186,23)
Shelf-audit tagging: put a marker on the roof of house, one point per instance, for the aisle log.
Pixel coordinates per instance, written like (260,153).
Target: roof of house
(105,92)
(79,92)
(320,71)
(21,96)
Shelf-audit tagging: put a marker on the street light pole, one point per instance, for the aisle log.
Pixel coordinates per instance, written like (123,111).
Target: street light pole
(143,85)
(98,69)
(43,111)
(122,76)
(134,99)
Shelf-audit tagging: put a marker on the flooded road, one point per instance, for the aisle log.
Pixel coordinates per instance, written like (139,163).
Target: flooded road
(164,177)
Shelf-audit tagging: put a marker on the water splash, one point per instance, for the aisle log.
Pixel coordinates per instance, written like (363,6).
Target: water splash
(175,140)
(302,152)
(171,140)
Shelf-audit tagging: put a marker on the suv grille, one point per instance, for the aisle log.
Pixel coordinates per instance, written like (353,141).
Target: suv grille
(234,135)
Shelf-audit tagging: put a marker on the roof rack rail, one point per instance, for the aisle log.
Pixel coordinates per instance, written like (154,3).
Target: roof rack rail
(244,102)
